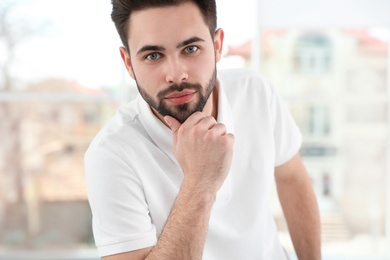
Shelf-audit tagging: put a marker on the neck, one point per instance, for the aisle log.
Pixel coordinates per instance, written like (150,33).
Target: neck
(214,102)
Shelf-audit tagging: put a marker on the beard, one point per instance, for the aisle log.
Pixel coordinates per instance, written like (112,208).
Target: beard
(183,111)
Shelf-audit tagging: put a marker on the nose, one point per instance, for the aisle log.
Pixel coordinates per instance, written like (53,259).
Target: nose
(176,71)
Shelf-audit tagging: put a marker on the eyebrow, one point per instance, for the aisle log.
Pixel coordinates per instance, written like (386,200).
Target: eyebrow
(160,48)
(189,41)
(150,48)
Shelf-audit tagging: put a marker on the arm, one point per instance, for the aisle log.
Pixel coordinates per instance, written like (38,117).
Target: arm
(204,152)
(299,206)
(184,234)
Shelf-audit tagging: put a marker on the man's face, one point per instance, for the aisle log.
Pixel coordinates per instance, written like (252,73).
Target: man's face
(173,58)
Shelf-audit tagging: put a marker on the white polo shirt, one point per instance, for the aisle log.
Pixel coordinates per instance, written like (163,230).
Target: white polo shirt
(133,177)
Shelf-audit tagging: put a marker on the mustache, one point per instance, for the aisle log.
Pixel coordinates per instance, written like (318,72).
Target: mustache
(179,88)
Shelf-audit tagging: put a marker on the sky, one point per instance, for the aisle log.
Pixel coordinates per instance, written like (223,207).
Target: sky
(79,41)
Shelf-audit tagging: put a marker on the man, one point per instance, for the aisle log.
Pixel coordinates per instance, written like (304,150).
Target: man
(185,171)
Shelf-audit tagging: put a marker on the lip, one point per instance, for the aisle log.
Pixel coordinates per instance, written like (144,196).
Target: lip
(182,97)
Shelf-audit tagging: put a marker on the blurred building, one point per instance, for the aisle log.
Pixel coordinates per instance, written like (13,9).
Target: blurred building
(334,82)
(58,120)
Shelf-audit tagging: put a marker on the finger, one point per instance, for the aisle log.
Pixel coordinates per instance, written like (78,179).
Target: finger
(208,122)
(220,129)
(194,119)
(172,123)
(230,137)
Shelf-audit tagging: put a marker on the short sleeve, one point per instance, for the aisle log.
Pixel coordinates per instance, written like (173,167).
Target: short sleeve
(120,214)
(287,136)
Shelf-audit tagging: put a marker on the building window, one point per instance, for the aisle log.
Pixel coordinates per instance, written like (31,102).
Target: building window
(319,121)
(326,184)
(313,54)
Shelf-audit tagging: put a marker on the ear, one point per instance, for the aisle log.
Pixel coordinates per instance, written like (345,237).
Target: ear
(218,44)
(127,61)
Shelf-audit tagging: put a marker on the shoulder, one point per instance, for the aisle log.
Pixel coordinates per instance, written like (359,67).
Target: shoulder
(237,75)
(123,129)
(245,84)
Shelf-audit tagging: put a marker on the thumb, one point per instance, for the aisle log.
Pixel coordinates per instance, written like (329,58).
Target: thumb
(172,123)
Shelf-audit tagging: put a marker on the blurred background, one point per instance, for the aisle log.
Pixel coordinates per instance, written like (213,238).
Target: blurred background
(61,79)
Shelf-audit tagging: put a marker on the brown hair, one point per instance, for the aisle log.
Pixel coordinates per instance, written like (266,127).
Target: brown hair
(122,9)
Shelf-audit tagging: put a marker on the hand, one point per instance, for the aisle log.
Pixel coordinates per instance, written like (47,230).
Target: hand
(203,149)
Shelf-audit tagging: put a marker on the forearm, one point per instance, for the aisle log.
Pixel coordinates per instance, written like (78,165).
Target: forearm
(301,211)
(185,232)
(204,151)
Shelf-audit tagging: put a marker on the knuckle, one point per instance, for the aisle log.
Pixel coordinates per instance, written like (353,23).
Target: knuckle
(199,128)
(211,119)
(182,130)
(222,127)
(228,140)
(209,136)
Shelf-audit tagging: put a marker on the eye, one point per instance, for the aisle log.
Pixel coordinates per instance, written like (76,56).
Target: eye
(191,49)
(153,56)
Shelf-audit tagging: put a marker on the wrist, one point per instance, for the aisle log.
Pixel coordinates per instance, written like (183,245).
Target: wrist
(198,191)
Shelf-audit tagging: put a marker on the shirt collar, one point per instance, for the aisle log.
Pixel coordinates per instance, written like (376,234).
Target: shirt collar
(225,115)
(162,135)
